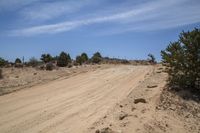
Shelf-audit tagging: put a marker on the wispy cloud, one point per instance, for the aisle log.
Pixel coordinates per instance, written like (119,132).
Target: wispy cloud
(147,16)
(51,10)
(9,5)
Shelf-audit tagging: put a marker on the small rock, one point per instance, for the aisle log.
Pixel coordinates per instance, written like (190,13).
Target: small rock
(173,107)
(152,86)
(34,73)
(133,108)
(143,111)
(140,100)
(188,115)
(104,130)
(123,125)
(158,108)
(122,116)
(121,106)
(158,71)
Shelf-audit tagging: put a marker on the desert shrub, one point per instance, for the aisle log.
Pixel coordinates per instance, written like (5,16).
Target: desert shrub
(151,59)
(69,65)
(33,62)
(18,65)
(182,59)
(63,60)
(2,62)
(75,63)
(46,58)
(1,75)
(49,66)
(96,58)
(125,62)
(42,67)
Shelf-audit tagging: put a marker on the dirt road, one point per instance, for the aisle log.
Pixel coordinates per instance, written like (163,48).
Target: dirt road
(68,105)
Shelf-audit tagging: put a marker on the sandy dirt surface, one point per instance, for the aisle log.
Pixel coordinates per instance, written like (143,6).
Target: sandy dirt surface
(73,104)
(15,79)
(150,108)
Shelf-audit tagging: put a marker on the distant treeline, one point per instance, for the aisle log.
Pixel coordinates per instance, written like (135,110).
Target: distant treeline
(64,60)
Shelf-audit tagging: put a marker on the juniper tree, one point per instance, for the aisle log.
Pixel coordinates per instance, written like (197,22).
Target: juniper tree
(2,62)
(96,58)
(79,60)
(84,57)
(46,58)
(182,59)
(63,60)
(18,61)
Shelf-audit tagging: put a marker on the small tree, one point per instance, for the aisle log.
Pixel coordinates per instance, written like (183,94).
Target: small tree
(63,60)
(84,57)
(69,58)
(18,61)
(2,62)
(183,60)
(79,60)
(152,59)
(96,58)
(46,58)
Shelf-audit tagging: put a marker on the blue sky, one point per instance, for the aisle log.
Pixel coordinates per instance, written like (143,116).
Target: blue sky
(117,28)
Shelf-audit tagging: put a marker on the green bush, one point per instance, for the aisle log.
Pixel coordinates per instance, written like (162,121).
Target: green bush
(96,58)
(182,59)
(63,60)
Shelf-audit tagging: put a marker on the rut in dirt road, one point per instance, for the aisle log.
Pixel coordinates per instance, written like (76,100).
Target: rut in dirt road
(68,105)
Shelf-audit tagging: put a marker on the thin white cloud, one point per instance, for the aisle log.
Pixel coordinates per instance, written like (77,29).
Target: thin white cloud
(66,26)
(50,10)
(148,16)
(9,5)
